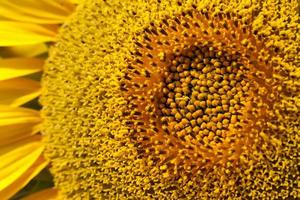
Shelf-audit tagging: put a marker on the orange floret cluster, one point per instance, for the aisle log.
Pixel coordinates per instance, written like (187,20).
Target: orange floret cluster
(203,90)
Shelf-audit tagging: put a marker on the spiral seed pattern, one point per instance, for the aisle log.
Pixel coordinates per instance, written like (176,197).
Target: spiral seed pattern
(191,98)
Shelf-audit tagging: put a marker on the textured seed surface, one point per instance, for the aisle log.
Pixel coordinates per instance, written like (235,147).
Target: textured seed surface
(175,100)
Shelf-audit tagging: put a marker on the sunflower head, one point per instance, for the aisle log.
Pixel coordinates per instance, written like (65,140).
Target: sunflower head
(176,100)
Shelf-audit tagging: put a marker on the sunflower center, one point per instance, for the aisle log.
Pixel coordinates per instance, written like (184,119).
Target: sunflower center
(195,86)
(204,90)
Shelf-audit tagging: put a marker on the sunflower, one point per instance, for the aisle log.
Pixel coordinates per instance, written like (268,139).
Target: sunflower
(161,99)
(27,29)
(175,99)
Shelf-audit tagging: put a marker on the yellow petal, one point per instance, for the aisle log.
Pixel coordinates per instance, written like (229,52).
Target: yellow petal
(17,157)
(77,1)
(23,180)
(17,124)
(18,91)
(13,133)
(13,116)
(18,33)
(48,194)
(21,17)
(65,6)
(33,11)
(16,67)
(23,51)
(14,152)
